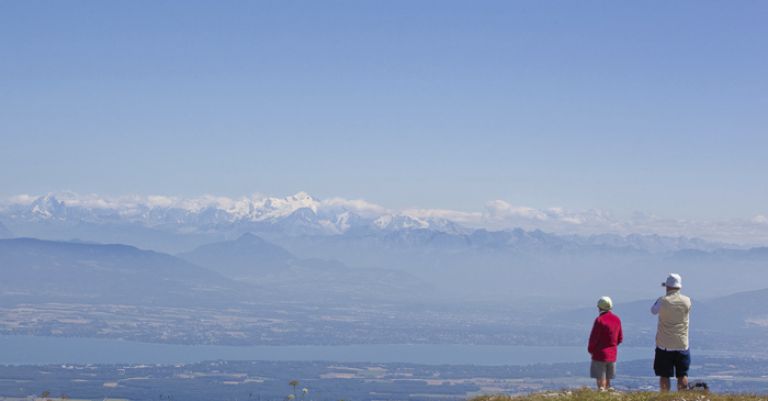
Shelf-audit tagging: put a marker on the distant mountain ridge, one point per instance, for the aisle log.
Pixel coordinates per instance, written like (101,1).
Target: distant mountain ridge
(298,214)
(242,257)
(32,269)
(725,319)
(182,226)
(251,259)
(333,241)
(224,273)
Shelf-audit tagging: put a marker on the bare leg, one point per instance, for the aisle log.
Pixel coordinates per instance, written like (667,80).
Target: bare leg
(664,384)
(607,383)
(600,384)
(682,383)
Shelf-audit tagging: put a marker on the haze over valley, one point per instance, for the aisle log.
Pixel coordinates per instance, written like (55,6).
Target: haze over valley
(297,271)
(376,200)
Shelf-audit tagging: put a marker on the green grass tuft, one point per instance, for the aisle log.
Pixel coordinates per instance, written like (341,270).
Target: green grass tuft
(591,395)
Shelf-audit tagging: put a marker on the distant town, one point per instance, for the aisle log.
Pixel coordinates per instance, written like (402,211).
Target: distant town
(277,324)
(330,381)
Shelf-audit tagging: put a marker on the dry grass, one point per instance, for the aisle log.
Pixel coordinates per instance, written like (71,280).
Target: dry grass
(591,395)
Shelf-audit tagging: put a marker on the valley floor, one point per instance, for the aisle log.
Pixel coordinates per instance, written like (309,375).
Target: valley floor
(333,381)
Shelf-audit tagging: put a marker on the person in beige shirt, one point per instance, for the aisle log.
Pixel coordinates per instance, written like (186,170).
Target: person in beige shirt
(673,357)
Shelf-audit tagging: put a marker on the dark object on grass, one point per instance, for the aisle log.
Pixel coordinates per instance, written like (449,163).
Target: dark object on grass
(699,386)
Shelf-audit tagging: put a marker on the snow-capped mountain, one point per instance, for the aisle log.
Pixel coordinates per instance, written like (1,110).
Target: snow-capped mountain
(146,220)
(434,245)
(298,214)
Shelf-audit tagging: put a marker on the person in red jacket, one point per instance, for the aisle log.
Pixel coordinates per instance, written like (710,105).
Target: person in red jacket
(603,344)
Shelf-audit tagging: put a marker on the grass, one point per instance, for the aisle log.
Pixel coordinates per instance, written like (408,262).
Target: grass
(591,395)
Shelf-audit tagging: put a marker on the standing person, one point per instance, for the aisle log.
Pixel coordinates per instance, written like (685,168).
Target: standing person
(604,340)
(673,357)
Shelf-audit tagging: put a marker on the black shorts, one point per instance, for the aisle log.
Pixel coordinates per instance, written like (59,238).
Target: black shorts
(671,363)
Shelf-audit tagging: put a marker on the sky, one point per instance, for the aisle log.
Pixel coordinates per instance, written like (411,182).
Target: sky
(654,106)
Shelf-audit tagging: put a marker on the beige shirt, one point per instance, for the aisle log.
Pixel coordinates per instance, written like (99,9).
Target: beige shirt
(672,331)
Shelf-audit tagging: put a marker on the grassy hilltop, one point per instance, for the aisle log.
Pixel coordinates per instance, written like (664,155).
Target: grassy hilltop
(591,395)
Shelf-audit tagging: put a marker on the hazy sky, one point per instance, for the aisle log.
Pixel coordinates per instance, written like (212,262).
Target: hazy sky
(656,106)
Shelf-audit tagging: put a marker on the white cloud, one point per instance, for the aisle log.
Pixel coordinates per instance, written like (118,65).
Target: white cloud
(500,209)
(573,220)
(160,201)
(22,199)
(466,218)
(502,214)
(358,206)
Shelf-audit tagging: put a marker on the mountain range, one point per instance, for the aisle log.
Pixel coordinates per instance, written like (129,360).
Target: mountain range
(251,259)
(170,225)
(354,237)
(229,272)
(521,281)
(35,270)
(294,215)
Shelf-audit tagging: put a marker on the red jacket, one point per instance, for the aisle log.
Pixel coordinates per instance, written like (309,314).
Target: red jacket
(605,337)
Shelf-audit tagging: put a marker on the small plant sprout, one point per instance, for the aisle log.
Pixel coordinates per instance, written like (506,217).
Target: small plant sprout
(294,383)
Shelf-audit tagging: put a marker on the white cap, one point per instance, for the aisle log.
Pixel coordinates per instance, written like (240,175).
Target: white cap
(674,281)
(605,303)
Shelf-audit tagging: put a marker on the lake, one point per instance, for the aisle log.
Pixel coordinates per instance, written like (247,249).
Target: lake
(15,350)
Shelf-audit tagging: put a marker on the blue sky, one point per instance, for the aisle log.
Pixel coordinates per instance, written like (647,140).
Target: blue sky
(650,106)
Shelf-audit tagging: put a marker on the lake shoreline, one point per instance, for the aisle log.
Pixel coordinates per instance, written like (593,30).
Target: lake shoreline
(40,350)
